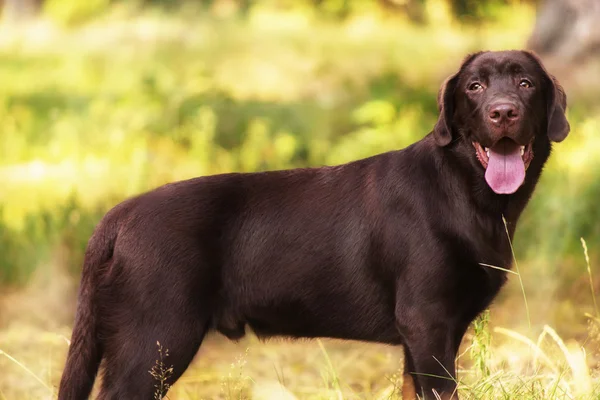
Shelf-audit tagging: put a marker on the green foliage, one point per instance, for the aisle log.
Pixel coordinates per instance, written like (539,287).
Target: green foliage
(481,346)
(71,12)
(89,119)
(64,226)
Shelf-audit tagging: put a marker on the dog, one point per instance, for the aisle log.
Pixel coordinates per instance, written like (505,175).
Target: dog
(385,249)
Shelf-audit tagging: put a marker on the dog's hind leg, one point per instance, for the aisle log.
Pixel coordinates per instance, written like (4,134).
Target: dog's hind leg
(142,360)
(151,328)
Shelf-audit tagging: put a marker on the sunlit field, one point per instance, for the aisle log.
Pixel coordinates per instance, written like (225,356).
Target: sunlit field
(93,112)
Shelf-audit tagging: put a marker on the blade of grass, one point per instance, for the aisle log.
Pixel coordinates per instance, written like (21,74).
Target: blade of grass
(336,382)
(530,344)
(30,372)
(433,376)
(500,268)
(590,316)
(512,250)
(539,345)
(579,370)
(589,269)
(450,375)
(448,372)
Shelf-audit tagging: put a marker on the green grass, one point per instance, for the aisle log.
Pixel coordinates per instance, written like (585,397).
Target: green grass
(165,98)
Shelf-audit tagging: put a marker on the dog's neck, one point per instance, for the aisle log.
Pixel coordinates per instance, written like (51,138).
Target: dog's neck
(517,202)
(459,154)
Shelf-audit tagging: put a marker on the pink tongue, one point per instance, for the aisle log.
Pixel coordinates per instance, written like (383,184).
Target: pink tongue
(505,172)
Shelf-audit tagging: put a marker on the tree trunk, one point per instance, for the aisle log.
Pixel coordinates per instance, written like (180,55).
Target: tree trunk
(20,10)
(568,30)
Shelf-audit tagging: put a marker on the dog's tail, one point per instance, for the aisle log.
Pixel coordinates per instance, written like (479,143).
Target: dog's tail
(85,350)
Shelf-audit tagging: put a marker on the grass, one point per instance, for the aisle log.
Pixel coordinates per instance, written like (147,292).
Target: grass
(518,272)
(589,270)
(502,364)
(161,373)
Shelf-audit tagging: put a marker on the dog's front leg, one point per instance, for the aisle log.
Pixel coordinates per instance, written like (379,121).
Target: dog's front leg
(409,385)
(430,352)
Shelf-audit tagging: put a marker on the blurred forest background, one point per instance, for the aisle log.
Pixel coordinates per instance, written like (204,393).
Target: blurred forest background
(103,99)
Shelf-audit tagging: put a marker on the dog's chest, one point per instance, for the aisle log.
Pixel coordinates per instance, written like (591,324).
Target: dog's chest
(480,268)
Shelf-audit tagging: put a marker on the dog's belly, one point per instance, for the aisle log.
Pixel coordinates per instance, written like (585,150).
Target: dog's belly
(338,316)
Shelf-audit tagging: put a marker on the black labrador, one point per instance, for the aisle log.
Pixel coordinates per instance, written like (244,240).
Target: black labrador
(385,249)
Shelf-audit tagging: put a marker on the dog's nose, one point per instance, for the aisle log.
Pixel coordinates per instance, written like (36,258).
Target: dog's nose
(503,112)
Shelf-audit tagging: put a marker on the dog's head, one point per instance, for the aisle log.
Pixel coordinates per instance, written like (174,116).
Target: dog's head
(496,106)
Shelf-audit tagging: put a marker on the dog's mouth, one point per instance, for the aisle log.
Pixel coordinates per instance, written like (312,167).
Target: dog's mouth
(505,164)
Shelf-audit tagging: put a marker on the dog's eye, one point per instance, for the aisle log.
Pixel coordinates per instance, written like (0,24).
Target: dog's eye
(525,83)
(475,86)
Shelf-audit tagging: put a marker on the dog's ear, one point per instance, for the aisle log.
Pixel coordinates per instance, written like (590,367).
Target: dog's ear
(556,104)
(442,131)
(558,126)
